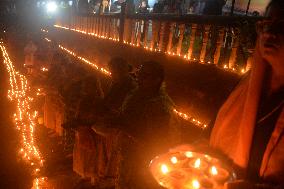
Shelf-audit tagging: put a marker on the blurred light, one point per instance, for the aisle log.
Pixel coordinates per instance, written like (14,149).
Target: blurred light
(174,160)
(164,169)
(51,6)
(70,3)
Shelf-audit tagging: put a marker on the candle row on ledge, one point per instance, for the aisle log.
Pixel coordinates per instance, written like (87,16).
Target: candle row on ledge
(101,69)
(190,119)
(88,33)
(186,57)
(106,72)
(24,117)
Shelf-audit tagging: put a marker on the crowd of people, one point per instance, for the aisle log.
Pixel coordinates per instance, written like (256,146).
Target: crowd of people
(208,7)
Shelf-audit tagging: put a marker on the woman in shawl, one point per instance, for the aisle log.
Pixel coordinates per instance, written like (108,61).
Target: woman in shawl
(252,119)
(249,128)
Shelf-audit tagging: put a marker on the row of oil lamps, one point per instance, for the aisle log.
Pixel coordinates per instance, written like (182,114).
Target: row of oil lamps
(186,57)
(189,170)
(24,117)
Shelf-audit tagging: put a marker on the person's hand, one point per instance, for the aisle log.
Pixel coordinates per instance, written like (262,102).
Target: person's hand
(239,184)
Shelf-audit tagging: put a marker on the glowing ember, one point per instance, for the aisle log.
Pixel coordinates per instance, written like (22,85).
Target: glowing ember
(164,169)
(197,163)
(214,170)
(174,160)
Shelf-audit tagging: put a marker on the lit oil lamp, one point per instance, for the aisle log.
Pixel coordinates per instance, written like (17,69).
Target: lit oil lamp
(164,169)
(219,174)
(193,184)
(179,159)
(174,160)
(198,164)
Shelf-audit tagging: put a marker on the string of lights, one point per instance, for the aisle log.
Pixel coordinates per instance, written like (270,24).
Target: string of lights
(186,57)
(24,117)
(104,71)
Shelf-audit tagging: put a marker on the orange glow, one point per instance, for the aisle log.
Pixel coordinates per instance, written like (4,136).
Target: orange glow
(137,45)
(101,69)
(188,154)
(164,169)
(24,117)
(213,170)
(197,163)
(191,119)
(195,184)
(174,160)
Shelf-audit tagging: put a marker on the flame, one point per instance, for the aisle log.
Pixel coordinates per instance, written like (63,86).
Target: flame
(214,170)
(188,154)
(174,160)
(197,163)
(25,117)
(164,169)
(195,184)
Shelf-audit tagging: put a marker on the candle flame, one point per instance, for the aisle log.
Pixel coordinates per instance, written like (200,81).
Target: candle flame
(164,169)
(189,154)
(195,184)
(197,163)
(214,170)
(174,160)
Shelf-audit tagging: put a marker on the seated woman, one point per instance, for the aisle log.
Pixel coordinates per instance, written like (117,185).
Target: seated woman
(250,125)
(142,126)
(92,151)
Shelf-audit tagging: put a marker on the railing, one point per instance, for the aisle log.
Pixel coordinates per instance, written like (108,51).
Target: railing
(221,40)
